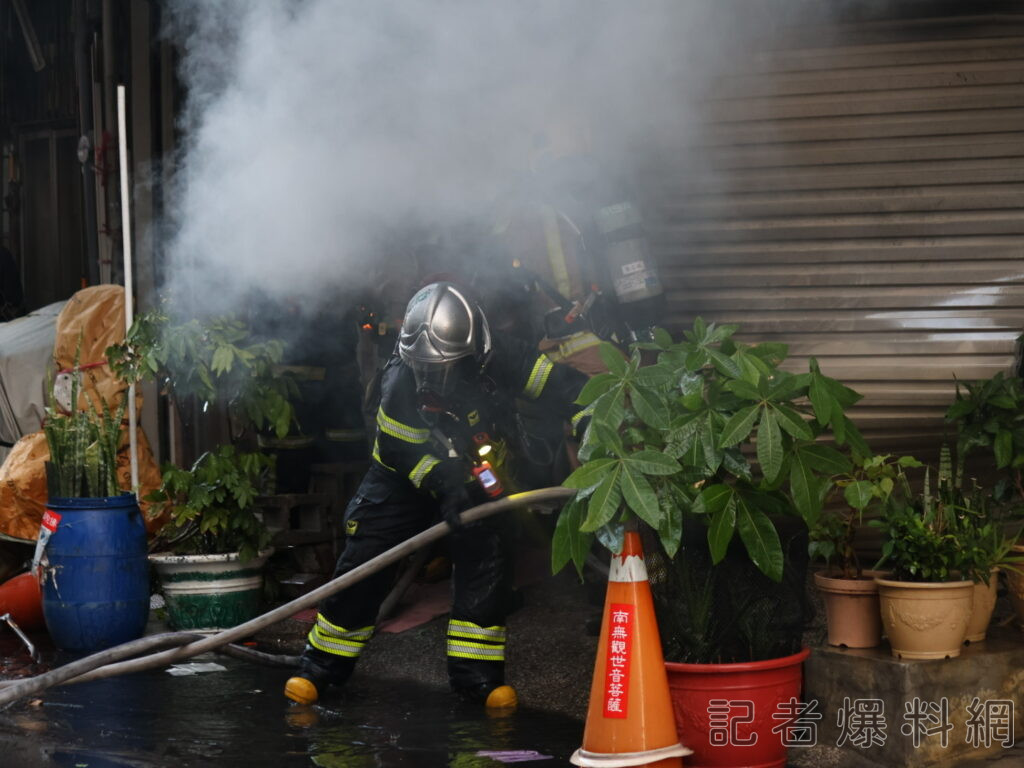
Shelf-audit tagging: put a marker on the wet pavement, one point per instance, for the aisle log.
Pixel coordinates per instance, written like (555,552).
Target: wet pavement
(238,717)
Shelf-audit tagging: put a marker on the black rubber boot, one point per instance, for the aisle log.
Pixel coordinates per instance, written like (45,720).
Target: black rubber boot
(315,675)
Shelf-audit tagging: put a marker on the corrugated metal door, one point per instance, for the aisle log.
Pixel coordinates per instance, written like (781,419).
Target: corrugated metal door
(864,203)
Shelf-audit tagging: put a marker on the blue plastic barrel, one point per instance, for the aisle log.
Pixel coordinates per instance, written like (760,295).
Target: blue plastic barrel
(95,572)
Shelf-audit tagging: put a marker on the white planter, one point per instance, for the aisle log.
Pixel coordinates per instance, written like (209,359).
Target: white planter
(208,593)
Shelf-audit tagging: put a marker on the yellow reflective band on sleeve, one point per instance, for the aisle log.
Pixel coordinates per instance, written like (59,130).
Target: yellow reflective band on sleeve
(335,640)
(538,377)
(422,469)
(556,255)
(399,430)
(577,343)
(580,416)
(468,629)
(462,649)
(376,455)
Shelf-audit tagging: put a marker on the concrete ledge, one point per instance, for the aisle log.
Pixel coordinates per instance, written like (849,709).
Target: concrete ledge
(989,671)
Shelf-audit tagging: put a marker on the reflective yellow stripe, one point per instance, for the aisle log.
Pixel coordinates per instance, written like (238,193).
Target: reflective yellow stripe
(578,343)
(466,650)
(538,377)
(422,469)
(556,256)
(458,628)
(376,455)
(402,431)
(582,414)
(363,633)
(334,647)
(336,640)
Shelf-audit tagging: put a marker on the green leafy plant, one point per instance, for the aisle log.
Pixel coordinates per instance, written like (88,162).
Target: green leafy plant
(866,488)
(677,438)
(214,360)
(943,533)
(83,447)
(211,505)
(989,419)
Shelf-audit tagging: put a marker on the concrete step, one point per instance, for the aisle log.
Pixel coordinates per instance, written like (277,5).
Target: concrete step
(873,681)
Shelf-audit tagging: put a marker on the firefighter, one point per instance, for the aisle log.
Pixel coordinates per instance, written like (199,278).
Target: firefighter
(573,235)
(447,398)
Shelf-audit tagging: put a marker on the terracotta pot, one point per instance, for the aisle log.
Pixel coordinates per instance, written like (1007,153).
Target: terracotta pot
(851,606)
(764,684)
(981,610)
(1015,581)
(924,619)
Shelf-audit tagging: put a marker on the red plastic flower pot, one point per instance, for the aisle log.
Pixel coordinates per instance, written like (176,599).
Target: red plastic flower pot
(710,704)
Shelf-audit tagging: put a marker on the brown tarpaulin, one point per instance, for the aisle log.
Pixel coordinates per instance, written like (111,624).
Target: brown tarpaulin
(91,321)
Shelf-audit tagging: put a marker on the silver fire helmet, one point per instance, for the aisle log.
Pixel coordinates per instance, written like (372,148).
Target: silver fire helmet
(444,337)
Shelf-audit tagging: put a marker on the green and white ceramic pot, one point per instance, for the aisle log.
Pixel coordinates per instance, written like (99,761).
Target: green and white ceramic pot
(208,593)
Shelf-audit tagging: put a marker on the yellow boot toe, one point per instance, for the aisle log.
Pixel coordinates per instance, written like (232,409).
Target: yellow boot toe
(303,691)
(502,697)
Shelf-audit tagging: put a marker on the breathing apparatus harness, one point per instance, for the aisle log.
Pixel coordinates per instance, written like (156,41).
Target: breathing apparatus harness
(471,444)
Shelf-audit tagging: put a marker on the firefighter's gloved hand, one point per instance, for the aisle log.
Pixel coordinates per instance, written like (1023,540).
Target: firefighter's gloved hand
(447,481)
(453,503)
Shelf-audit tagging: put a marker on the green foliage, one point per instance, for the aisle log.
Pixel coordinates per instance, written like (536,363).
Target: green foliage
(83,446)
(215,360)
(211,505)
(989,419)
(867,486)
(942,534)
(674,438)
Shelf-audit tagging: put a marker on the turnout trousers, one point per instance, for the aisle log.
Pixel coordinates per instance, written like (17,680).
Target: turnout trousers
(384,512)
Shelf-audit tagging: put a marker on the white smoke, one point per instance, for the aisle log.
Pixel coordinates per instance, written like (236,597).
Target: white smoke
(314,128)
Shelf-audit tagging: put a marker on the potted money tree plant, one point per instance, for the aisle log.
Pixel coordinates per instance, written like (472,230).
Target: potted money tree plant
(216,542)
(849,591)
(713,452)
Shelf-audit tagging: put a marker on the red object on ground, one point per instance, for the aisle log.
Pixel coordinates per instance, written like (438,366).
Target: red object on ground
(21,598)
(762,684)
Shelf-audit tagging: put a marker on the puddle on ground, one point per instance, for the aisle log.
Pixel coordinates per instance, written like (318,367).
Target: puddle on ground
(238,717)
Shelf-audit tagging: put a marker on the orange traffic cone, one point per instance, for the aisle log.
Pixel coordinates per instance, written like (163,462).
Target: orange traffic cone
(630,720)
(20,597)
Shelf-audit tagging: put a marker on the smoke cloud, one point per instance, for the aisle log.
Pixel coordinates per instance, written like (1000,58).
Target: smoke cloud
(314,130)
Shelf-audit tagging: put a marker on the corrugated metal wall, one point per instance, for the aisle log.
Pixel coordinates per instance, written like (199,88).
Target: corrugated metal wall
(864,202)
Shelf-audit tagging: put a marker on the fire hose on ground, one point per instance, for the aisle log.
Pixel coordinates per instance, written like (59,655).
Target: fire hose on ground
(176,646)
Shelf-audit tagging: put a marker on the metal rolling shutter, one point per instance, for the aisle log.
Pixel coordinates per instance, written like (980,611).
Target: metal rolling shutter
(864,203)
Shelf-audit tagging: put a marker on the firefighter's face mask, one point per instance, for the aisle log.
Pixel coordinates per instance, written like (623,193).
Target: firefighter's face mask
(442,380)
(444,339)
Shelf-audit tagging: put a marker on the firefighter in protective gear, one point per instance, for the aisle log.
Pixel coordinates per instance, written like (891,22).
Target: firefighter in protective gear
(450,389)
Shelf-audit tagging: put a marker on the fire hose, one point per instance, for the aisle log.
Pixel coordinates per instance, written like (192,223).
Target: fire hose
(120,660)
